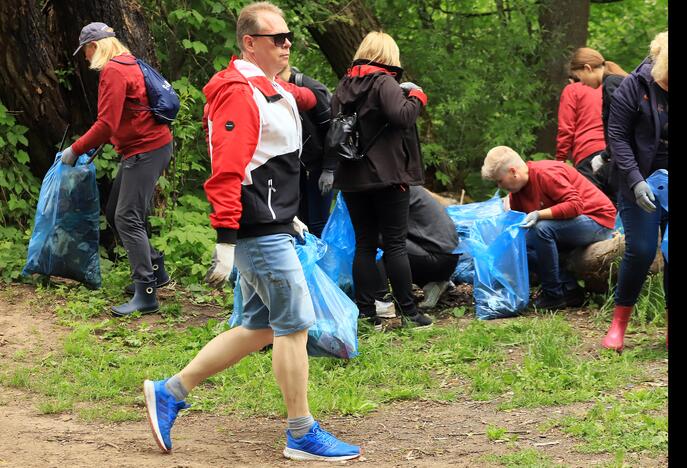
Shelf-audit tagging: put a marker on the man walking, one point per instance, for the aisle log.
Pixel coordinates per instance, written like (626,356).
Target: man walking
(254,139)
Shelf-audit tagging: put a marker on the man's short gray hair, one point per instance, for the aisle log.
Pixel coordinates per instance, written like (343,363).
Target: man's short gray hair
(248,22)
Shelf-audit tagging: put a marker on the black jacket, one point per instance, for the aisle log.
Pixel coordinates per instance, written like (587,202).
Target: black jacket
(372,90)
(430,229)
(315,123)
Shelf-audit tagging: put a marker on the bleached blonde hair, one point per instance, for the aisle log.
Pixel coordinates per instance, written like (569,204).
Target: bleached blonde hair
(659,56)
(498,160)
(106,49)
(379,47)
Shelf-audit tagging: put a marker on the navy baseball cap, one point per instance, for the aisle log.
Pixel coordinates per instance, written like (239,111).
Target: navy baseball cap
(93,32)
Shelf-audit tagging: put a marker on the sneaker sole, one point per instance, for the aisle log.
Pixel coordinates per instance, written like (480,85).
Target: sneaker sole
(299,455)
(151,412)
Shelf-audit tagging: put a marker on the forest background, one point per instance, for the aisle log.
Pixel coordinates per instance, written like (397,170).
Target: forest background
(493,71)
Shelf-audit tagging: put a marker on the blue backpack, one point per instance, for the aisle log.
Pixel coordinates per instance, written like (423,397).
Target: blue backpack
(163,101)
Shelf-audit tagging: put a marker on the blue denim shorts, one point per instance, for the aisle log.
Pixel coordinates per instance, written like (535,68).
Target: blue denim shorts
(275,294)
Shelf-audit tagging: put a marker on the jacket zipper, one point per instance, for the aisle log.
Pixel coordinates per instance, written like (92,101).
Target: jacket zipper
(270,189)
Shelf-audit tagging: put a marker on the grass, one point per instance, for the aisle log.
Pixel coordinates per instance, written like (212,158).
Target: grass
(525,362)
(527,458)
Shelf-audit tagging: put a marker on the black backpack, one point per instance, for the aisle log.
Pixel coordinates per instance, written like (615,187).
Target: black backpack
(343,138)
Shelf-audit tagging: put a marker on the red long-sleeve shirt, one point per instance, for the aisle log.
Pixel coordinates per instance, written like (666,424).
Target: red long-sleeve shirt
(555,185)
(580,128)
(120,121)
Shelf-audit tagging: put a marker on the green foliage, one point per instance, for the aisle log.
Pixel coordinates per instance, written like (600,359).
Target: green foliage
(186,238)
(526,458)
(18,187)
(622,31)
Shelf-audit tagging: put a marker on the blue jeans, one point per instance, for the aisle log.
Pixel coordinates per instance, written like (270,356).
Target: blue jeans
(275,294)
(547,237)
(641,241)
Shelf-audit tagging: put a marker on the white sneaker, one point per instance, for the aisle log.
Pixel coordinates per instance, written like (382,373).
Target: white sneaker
(385,309)
(433,291)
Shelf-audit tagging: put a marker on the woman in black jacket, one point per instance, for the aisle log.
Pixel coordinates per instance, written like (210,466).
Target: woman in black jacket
(375,187)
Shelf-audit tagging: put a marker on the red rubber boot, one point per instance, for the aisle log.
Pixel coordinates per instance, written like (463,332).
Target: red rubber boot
(616,333)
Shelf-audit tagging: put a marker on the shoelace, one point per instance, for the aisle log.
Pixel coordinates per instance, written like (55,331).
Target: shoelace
(325,437)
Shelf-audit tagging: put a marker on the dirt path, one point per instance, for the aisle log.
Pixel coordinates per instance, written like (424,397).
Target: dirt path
(413,433)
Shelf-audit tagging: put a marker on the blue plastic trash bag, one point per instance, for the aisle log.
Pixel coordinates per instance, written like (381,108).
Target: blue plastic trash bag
(339,236)
(66,229)
(501,281)
(335,332)
(464,216)
(658,181)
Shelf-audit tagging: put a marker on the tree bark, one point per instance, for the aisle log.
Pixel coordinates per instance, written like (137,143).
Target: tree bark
(41,82)
(339,35)
(564,25)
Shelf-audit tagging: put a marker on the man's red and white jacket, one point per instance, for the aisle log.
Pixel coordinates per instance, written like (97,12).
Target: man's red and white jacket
(253,132)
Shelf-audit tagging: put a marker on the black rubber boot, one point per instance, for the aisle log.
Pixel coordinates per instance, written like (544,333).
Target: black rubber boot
(161,276)
(144,301)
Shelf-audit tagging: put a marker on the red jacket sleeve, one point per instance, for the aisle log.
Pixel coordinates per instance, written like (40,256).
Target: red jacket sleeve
(233,126)
(111,96)
(305,98)
(557,186)
(566,123)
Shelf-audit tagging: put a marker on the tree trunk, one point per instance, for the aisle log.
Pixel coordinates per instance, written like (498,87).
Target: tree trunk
(341,33)
(41,82)
(597,264)
(564,28)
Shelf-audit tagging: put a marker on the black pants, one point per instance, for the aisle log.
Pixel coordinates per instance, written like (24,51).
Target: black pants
(601,179)
(313,208)
(424,269)
(130,204)
(385,212)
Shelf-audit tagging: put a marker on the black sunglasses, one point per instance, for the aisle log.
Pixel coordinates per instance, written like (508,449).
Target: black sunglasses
(278,38)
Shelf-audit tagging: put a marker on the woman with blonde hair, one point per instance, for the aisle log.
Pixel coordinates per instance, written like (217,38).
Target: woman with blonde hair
(376,187)
(638,137)
(146,149)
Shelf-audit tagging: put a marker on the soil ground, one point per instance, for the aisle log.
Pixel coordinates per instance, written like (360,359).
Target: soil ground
(410,433)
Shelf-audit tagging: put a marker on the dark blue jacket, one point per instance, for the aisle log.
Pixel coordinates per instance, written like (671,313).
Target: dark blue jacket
(634,128)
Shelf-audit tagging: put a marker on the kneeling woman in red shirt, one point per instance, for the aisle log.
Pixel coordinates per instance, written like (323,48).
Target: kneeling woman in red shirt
(146,149)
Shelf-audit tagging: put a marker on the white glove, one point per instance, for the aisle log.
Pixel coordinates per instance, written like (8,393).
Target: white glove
(644,196)
(69,157)
(222,264)
(408,86)
(530,220)
(299,227)
(597,163)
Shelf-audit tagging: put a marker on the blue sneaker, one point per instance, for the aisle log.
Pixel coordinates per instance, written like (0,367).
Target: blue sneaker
(162,409)
(319,444)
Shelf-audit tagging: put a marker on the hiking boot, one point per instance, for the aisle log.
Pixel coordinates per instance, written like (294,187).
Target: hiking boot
(144,301)
(418,320)
(385,309)
(574,297)
(548,301)
(433,291)
(319,444)
(161,276)
(162,409)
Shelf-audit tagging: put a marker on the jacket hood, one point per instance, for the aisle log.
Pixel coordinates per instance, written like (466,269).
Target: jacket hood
(360,78)
(221,79)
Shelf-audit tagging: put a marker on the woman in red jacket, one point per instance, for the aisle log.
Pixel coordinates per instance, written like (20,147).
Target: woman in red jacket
(146,149)
(580,126)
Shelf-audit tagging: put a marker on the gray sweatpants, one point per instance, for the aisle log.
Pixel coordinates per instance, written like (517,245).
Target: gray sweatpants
(130,204)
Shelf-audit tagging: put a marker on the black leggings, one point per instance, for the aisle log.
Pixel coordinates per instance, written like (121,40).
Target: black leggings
(374,212)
